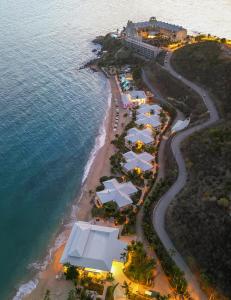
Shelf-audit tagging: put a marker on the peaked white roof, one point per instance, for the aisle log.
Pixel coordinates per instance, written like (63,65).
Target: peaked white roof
(134,135)
(158,24)
(180,125)
(92,246)
(152,120)
(141,161)
(146,108)
(118,192)
(137,94)
(126,99)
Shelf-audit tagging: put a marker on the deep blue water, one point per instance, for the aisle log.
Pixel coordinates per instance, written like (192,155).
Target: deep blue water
(50,112)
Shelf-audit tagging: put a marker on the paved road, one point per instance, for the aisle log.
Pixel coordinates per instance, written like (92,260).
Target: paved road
(161,208)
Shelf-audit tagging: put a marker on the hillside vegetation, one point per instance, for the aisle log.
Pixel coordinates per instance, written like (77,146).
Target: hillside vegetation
(176,92)
(206,64)
(199,220)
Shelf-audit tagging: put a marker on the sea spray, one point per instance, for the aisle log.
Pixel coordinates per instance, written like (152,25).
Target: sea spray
(26,289)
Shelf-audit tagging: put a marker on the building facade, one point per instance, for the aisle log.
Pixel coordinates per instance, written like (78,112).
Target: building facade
(174,32)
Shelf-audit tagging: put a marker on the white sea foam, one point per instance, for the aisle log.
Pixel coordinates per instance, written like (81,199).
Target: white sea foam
(99,141)
(26,289)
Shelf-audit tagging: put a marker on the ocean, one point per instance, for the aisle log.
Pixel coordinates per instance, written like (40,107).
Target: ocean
(51,114)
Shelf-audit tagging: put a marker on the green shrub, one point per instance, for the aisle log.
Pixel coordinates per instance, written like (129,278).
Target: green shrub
(93,286)
(71,272)
(176,276)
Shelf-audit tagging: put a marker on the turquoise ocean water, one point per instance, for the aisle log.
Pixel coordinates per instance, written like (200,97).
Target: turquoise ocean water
(51,113)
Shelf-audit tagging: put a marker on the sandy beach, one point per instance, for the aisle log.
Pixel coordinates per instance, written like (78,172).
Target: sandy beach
(100,167)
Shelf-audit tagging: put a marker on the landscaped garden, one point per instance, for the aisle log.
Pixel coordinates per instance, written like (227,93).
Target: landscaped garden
(139,267)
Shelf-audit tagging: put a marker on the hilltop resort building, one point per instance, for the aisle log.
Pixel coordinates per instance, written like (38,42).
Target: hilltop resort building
(138,34)
(93,247)
(117,192)
(153,27)
(141,162)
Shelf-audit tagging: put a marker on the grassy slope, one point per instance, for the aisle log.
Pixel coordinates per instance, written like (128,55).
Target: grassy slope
(206,64)
(199,220)
(179,95)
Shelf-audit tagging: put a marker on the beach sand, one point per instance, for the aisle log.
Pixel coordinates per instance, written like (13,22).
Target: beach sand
(101,167)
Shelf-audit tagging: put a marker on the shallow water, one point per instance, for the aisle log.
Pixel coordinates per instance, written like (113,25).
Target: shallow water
(51,113)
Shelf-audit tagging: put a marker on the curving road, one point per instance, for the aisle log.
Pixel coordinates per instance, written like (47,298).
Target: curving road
(162,206)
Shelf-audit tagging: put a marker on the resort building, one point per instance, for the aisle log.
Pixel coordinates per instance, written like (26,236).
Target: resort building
(136,136)
(117,192)
(133,98)
(147,109)
(142,48)
(93,247)
(148,121)
(149,29)
(138,162)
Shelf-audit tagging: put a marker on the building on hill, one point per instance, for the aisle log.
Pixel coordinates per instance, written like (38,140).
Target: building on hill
(142,48)
(138,162)
(173,32)
(118,192)
(93,247)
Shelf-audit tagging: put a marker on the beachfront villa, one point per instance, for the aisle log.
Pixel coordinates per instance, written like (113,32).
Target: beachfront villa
(136,136)
(149,121)
(147,109)
(117,192)
(133,98)
(93,247)
(138,162)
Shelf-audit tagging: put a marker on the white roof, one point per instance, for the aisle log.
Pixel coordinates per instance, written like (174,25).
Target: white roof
(137,94)
(125,99)
(135,135)
(180,125)
(148,120)
(146,108)
(141,161)
(118,192)
(92,246)
(159,24)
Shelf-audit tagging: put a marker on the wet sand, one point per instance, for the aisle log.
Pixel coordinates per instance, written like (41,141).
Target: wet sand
(101,166)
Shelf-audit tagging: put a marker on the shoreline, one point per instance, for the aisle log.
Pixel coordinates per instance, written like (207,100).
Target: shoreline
(99,165)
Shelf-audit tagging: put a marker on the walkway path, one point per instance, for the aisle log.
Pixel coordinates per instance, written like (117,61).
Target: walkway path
(161,208)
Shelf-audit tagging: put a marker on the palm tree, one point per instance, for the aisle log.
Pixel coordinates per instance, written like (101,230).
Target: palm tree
(47,295)
(126,286)
(123,256)
(85,296)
